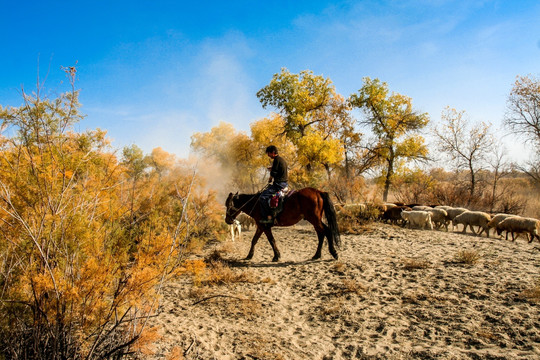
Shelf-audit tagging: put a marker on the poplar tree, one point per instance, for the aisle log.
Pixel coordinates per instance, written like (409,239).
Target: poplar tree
(395,124)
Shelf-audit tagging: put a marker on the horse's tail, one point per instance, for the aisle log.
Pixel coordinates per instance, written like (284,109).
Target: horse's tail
(331,217)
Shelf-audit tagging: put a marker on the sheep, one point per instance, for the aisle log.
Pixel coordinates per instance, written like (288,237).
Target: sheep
(439,217)
(421,208)
(444,207)
(246,221)
(453,212)
(471,218)
(421,219)
(387,206)
(236,229)
(495,220)
(518,224)
(394,214)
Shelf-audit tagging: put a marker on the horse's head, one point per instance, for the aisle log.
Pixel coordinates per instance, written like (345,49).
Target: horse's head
(231,212)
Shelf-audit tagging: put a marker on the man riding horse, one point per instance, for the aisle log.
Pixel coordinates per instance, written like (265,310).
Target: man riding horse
(278,174)
(307,204)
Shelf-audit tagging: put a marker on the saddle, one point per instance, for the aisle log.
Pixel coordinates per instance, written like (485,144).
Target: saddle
(277,200)
(276,205)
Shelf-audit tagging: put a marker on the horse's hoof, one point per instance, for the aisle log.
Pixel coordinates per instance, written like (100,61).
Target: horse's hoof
(276,259)
(249,257)
(336,256)
(316,257)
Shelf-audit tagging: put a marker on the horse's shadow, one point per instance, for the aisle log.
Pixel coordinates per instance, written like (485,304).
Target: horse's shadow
(236,263)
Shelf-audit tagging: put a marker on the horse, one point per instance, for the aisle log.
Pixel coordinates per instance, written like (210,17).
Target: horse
(307,203)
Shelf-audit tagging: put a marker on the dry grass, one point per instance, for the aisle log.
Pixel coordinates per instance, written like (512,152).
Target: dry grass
(215,270)
(338,307)
(218,273)
(414,264)
(339,267)
(532,294)
(468,257)
(258,347)
(349,286)
(487,334)
(245,308)
(356,219)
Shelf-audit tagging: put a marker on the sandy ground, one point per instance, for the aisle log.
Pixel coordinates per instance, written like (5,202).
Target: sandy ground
(394,294)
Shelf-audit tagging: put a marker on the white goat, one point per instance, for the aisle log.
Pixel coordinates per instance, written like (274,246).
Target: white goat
(420,219)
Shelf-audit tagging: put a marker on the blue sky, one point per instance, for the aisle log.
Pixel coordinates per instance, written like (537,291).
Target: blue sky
(153,72)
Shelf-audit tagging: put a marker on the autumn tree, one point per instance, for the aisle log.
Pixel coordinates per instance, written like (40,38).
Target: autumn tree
(307,103)
(235,152)
(395,125)
(467,145)
(523,118)
(414,186)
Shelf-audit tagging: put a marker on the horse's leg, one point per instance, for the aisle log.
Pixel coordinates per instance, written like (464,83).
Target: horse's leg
(270,236)
(320,236)
(331,245)
(256,237)
(322,231)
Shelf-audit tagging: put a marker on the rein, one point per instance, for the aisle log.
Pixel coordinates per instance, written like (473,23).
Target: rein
(256,198)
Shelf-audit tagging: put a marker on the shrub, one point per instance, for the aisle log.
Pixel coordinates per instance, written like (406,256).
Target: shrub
(87,238)
(354,218)
(469,257)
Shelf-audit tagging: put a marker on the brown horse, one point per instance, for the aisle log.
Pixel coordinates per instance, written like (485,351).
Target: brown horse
(307,203)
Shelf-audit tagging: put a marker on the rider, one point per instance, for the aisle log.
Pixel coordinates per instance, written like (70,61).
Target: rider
(278,174)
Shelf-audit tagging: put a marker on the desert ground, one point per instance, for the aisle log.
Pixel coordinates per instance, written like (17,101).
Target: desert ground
(394,293)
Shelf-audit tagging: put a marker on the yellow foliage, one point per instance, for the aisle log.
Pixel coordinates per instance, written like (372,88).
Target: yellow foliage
(88,238)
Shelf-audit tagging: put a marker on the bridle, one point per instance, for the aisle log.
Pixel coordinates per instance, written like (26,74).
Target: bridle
(232,211)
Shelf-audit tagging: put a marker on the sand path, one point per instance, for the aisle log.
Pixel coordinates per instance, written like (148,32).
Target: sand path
(394,294)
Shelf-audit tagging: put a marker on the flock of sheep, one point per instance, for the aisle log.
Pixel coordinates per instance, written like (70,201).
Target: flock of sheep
(428,217)
(435,217)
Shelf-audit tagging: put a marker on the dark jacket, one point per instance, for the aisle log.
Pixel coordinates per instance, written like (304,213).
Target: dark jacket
(279,170)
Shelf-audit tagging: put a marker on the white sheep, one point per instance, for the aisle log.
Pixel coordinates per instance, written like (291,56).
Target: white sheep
(236,229)
(518,224)
(439,217)
(473,218)
(421,219)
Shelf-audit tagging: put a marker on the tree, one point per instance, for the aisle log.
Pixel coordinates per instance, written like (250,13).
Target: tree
(523,109)
(467,146)
(235,152)
(523,118)
(395,125)
(306,102)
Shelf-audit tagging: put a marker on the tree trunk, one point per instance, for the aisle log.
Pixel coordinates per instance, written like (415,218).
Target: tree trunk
(473,182)
(388,180)
(328,171)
